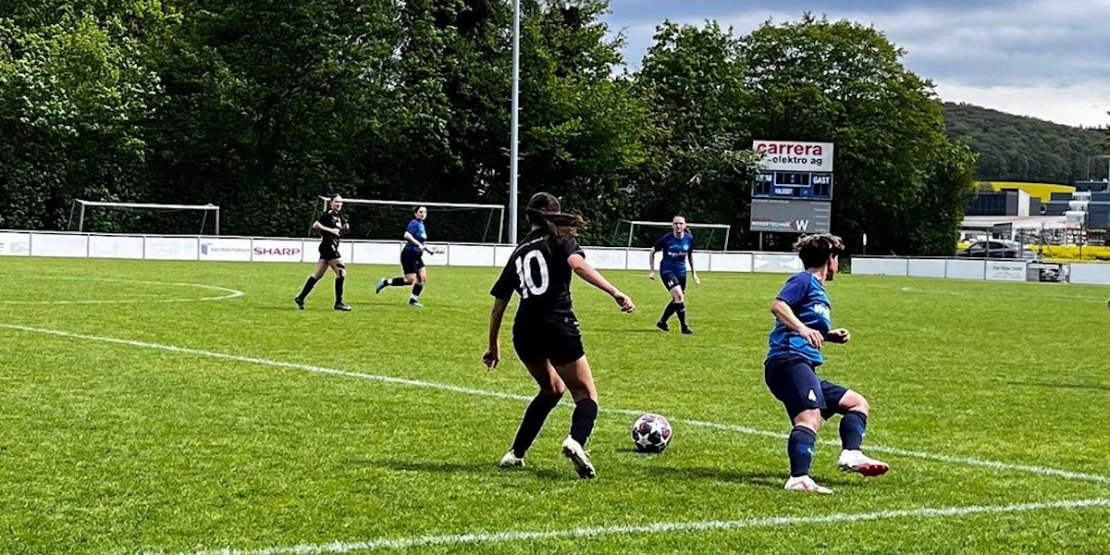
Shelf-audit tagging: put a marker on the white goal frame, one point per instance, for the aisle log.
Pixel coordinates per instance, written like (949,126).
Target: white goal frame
(634,223)
(86,203)
(499,207)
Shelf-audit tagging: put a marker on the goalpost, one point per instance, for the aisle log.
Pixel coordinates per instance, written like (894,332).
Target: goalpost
(644,225)
(80,207)
(435,207)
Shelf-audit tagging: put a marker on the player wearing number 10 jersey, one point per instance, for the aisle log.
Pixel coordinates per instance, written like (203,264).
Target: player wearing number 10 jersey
(545,331)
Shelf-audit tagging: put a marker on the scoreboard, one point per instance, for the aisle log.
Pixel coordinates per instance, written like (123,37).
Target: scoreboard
(793,185)
(792,192)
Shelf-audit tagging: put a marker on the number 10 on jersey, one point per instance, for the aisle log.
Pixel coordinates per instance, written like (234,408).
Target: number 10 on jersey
(529,286)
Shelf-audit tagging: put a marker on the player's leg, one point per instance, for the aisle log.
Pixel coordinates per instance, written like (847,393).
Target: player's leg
(670,282)
(321,267)
(854,410)
(340,270)
(418,287)
(795,384)
(551,390)
(680,304)
(580,381)
(408,277)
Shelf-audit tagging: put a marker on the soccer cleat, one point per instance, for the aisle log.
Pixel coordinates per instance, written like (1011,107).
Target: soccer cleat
(300,302)
(343,307)
(687,331)
(806,484)
(662,326)
(415,303)
(577,455)
(511,461)
(382,283)
(856,461)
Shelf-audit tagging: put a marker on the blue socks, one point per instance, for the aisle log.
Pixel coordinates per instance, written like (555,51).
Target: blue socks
(800,449)
(852,427)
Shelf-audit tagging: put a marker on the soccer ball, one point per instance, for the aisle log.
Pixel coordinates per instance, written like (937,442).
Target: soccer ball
(651,433)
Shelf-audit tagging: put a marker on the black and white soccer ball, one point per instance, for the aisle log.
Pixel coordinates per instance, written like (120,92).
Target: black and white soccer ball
(651,433)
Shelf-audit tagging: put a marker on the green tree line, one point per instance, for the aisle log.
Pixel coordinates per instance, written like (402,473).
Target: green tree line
(260,106)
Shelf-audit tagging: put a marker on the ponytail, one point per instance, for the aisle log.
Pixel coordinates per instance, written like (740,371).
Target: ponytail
(544,211)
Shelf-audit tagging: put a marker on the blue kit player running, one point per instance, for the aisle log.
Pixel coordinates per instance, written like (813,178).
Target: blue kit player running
(412,259)
(678,248)
(803,325)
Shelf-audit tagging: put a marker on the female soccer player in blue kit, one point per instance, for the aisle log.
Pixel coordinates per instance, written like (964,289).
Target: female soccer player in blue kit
(803,324)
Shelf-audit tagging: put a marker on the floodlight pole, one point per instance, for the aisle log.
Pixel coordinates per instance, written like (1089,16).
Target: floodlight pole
(513,193)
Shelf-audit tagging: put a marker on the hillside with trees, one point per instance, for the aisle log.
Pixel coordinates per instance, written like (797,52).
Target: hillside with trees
(1020,148)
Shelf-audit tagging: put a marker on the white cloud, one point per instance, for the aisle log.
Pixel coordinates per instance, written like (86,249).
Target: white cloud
(1078,105)
(1048,59)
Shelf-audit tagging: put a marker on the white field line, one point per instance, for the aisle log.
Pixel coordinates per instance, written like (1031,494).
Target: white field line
(968,461)
(656,528)
(227,293)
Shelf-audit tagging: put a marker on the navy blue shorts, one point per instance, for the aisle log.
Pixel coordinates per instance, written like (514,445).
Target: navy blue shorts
(672,280)
(411,262)
(793,381)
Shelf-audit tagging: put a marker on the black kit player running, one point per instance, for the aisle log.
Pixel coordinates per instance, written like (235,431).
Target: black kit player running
(545,331)
(331,225)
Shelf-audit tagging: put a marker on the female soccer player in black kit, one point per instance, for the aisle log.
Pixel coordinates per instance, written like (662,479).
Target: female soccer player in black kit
(330,224)
(545,332)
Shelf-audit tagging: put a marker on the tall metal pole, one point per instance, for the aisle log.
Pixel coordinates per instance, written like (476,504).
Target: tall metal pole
(513,193)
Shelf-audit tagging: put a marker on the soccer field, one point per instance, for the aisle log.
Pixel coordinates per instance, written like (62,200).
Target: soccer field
(189,407)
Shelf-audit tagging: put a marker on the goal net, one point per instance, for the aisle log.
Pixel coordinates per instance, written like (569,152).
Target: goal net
(637,233)
(146,218)
(447,221)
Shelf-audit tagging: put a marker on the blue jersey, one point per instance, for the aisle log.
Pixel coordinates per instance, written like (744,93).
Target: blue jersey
(675,250)
(806,296)
(416,229)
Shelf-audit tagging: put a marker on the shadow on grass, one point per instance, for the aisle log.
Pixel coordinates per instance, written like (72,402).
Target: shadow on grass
(1073,386)
(476,468)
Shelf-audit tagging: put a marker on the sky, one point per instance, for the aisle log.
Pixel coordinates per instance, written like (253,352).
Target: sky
(1048,59)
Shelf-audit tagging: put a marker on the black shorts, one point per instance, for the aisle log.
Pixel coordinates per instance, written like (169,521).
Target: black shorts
(411,262)
(793,381)
(556,339)
(329,253)
(672,280)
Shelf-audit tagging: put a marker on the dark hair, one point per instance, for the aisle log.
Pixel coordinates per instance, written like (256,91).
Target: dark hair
(544,210)
(814,250)
(333,196)
(417,208)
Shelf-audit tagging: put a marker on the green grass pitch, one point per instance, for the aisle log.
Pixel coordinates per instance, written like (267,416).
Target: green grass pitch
(237,440)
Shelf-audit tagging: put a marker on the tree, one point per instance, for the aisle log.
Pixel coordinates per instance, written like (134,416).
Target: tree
(693,80)
(844,83)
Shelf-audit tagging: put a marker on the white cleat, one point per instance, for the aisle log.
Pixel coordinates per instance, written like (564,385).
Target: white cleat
(805,483)
(856,461)
(511,461)
(577,455)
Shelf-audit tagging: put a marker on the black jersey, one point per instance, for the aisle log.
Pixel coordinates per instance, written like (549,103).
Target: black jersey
(538,270)
(330,219)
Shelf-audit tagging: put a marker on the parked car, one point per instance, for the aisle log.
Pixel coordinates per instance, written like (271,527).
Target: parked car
(996,248)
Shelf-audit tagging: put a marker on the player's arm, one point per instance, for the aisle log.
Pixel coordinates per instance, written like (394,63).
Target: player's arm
(651,258)
(317,226)
(578,263)
(496,315)
(416,243)
(786,315)
(690,260)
